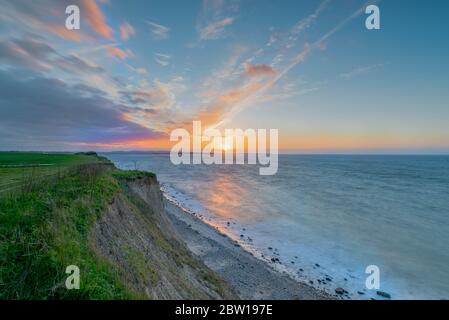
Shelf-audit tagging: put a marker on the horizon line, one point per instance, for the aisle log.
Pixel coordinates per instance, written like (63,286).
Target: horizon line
(330,153)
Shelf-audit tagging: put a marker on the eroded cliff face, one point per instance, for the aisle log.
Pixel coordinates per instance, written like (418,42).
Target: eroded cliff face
(136,235)
(148,190)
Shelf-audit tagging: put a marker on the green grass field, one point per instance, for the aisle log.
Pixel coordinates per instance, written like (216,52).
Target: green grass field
(20,169)
(37,159)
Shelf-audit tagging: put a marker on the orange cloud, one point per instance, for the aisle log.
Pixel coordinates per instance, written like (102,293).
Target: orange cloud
(96,19)
(258,70)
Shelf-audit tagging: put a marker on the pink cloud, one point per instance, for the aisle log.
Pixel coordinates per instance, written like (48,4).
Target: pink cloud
(126,31)
(257,70)
(96,19)
(116,52)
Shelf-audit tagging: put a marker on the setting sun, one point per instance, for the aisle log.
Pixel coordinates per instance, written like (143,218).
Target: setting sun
(226,146)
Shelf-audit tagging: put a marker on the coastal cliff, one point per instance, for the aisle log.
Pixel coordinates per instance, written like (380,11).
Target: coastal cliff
(108,224)
(136,235)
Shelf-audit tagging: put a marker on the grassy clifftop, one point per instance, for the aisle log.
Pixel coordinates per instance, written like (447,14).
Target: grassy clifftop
(89,217)
(20,171)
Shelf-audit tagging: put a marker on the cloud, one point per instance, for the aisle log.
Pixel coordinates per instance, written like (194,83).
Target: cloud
(158,95)
(62,32)
(142,71)
(215,29)
(36,54)
(213,113)
(259,70)
(319,44)
(73,63)
(361,70)
(36,109)
(306,23)
(96,19)
(219,108)
(162,59)
(49,16)
(215,17)
(159,31)
(154,104)
(126,31)
(116,52)
(240,93)
(150,97)
(33,54)
(229,71)
(286,40)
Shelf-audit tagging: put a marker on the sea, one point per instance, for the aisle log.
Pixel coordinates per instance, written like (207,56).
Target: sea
(364,223)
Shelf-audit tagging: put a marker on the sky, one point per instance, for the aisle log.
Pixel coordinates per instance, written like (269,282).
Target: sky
(136,70)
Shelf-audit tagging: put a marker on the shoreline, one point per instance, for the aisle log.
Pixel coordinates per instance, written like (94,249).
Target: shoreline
(251,277)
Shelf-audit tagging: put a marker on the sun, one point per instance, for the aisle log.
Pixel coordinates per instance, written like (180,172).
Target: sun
(226,146)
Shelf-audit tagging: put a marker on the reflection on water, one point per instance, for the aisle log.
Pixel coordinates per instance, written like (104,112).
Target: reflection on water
(226,196)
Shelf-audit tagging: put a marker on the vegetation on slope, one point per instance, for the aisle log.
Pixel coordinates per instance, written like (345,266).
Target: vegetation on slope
(169,260)
(132,174)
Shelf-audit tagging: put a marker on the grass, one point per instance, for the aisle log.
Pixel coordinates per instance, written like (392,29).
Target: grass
(20,170)
(138,261)
(36,159)
(44,230)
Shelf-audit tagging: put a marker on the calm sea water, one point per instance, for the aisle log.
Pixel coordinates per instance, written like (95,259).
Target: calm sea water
(327,216)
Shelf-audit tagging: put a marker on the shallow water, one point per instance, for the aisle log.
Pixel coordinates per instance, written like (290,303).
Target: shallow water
(329,216)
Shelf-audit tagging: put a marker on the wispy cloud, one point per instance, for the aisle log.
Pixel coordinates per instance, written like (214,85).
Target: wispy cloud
(361,70)
(255,89)
(62,32)
(126,31)
(158,31)
(141,71)
(287,40)
(319,44)
(36,54)
(74,63)
(215,17)
(306,23)
(162,59)
(215,29)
